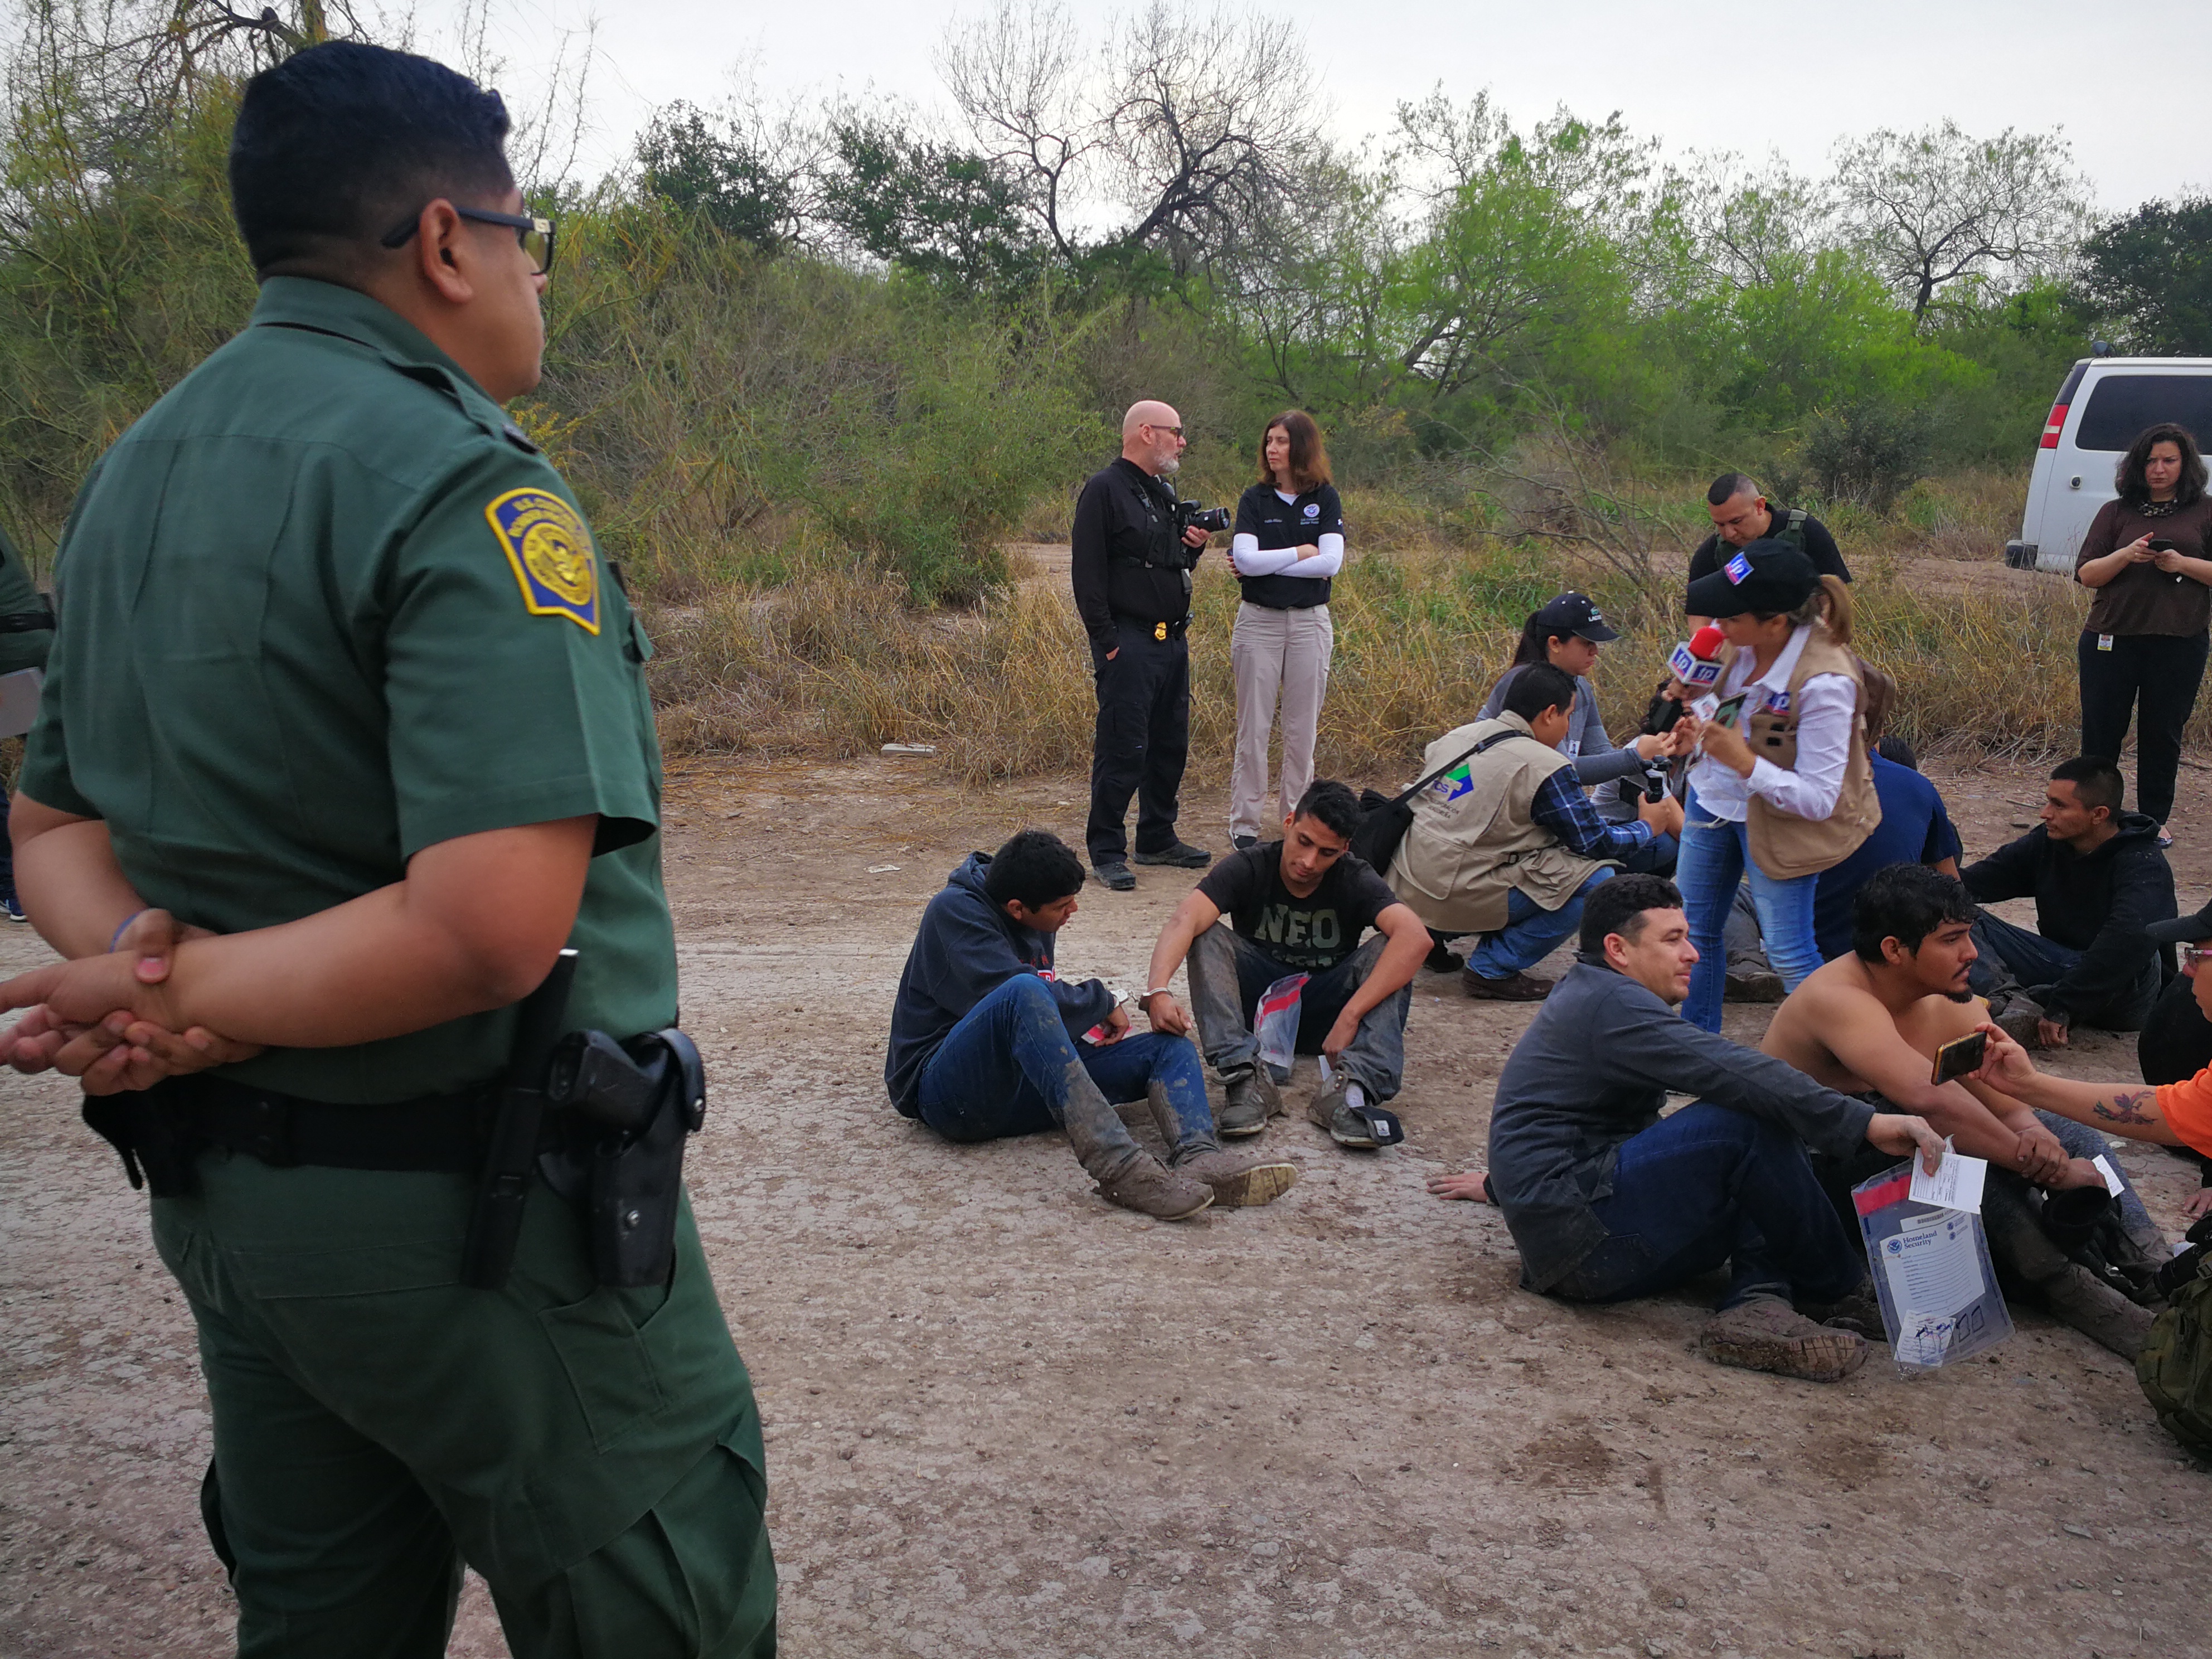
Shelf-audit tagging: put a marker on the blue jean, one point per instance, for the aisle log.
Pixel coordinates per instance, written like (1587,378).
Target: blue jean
(1229,975)
(1709,1185)
(1010,1067)
(1531,932)
(2009,951)
(1715,858)
(1656,857)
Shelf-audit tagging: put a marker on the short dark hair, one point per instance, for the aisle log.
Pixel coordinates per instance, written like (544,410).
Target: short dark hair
(2128,478)
(1308,454)
(1035,868)
(337,143)
(1728,486)
(1617,906)
(1330,805)
(2095,780)
(1537,687)
(1906,902)
(1894,750)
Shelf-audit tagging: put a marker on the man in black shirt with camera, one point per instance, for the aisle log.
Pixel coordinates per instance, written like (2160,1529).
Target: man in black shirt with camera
(1132,566)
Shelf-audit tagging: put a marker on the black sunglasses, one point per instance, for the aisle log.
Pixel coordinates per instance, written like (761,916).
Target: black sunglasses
(533,234)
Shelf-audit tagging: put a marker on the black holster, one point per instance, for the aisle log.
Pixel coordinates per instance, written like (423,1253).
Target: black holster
(158,1143)
(621,1114)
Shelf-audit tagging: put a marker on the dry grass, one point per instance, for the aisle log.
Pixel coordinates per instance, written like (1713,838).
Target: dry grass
(832,662)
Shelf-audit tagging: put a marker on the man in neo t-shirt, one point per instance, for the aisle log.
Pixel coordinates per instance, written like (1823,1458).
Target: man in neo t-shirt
(1299,905)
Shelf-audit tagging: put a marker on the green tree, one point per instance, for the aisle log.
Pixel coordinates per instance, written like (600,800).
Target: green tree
(710,168)
(959,219)
(2148,274)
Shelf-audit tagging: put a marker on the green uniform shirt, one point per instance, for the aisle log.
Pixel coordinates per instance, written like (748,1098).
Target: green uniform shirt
(323,606)
(19,595)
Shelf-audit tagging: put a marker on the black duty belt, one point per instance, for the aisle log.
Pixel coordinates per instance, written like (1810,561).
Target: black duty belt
(27,621)
(1158,631)
(166,1127)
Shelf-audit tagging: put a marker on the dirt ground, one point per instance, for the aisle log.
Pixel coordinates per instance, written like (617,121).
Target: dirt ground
(1003,1418)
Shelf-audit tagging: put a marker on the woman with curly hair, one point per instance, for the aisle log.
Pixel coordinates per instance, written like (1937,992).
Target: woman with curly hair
(2147,558)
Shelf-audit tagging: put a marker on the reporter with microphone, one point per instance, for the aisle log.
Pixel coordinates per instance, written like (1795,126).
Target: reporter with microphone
(1781,787)
(1567,633)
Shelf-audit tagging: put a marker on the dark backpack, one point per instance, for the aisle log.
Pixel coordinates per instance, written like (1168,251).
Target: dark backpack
(2174,1365)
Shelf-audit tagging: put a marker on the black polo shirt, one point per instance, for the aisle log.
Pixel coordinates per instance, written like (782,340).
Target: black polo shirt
(1275,524)
(1123,516)
(1820,547)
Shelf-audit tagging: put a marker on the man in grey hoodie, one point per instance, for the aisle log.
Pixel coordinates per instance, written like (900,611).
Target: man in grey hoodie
(987,1041)
(1609,1200)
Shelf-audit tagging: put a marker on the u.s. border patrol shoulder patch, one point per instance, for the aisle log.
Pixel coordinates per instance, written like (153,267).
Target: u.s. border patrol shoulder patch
(551,551)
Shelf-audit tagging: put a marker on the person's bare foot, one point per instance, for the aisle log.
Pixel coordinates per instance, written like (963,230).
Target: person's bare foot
(1474,1184)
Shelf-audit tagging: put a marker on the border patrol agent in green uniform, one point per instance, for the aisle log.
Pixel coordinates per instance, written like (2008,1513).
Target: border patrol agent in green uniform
(26,627)
(329,623)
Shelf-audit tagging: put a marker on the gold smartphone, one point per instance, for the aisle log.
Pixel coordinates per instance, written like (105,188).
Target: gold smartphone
(1960,1056)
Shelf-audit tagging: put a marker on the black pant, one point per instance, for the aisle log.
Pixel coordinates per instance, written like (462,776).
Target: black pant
(2156,675)
(1143,740)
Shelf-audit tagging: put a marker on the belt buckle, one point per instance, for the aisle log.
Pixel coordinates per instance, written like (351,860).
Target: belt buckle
(1159,630)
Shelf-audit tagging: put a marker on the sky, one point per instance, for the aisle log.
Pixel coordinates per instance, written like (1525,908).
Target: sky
(1699,74)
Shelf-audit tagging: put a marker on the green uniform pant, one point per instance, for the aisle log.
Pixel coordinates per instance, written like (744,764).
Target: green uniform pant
(595,1453)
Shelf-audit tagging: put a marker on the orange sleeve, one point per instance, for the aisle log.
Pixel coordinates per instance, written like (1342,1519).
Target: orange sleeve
(2188,1109)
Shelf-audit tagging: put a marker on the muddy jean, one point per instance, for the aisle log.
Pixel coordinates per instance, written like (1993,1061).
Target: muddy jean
(1709,1185)
(1010,1067)
(1275,655)
(2009,951)
(1228,975)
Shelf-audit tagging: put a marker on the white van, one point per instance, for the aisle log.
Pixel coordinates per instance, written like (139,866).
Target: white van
(2103,407)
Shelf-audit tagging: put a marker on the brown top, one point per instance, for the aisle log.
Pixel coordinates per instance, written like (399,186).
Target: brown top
(2142,599)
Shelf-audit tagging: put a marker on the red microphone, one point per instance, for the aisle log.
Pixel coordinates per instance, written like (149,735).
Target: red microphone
(1697,661)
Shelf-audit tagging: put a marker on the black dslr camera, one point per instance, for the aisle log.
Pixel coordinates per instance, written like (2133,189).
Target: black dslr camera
(1210,519)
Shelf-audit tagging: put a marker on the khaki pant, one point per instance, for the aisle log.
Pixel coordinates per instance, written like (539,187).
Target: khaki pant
(1275,654)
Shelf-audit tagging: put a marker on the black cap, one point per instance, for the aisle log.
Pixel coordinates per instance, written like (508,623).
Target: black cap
(2182,930)
(1766,575)
(1574,614)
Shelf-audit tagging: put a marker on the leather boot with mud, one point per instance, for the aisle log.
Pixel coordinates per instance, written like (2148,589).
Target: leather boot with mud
(1237,1180)
(1860,1311)
(1250,1098)
(2097,1311)
(1765,1333)
(1150,1188)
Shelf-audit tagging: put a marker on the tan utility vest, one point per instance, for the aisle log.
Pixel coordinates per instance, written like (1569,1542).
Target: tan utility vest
(1783,844)
(1472,842)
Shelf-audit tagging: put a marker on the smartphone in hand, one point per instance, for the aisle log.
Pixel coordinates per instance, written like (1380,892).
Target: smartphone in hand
(1960,1056)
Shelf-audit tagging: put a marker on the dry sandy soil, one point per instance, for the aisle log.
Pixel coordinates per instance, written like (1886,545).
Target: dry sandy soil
(1005,1418)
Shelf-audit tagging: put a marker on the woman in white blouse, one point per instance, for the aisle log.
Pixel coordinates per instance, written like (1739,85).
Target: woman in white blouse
(1288,542)
(1781,788)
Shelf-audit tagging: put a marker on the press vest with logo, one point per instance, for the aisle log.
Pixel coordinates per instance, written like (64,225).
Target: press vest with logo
(1783,844)
(1473,841)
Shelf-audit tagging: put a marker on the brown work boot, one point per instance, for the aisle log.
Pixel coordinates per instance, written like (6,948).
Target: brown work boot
(1239,1180)
(1514,988)
(1752,982)
(1150,1188)
(1765,1333)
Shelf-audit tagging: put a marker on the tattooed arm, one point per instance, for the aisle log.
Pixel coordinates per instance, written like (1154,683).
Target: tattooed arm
(2118,1108)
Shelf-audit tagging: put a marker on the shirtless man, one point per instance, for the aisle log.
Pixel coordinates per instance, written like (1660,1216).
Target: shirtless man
(1870,1025)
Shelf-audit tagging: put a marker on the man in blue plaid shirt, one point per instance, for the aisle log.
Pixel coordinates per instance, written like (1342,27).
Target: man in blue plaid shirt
(1505,843)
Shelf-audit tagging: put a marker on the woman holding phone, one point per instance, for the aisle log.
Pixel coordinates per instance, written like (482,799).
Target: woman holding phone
(2147,558)
(1288,543)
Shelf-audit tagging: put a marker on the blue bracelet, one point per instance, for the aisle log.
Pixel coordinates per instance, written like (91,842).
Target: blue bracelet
(116,937)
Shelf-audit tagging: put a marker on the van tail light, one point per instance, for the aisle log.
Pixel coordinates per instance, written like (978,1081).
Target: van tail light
(2054,426)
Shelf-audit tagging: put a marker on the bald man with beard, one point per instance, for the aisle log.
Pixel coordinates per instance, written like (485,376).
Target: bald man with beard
(1132,573)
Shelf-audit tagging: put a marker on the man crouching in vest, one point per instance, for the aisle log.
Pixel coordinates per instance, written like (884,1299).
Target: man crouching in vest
(1506,844)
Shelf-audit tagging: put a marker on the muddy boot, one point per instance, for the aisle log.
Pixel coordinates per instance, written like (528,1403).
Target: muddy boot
(1860,1311)
(1765,1333)
(2097,1311)
(1237,1180)
(1125,1173)
(1250,1098)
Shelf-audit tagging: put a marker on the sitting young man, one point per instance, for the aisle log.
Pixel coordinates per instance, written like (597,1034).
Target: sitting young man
(2098,880)
(986,1042)
(1505,843)
(1870,1025)
(1299,905)
(1609,1200)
